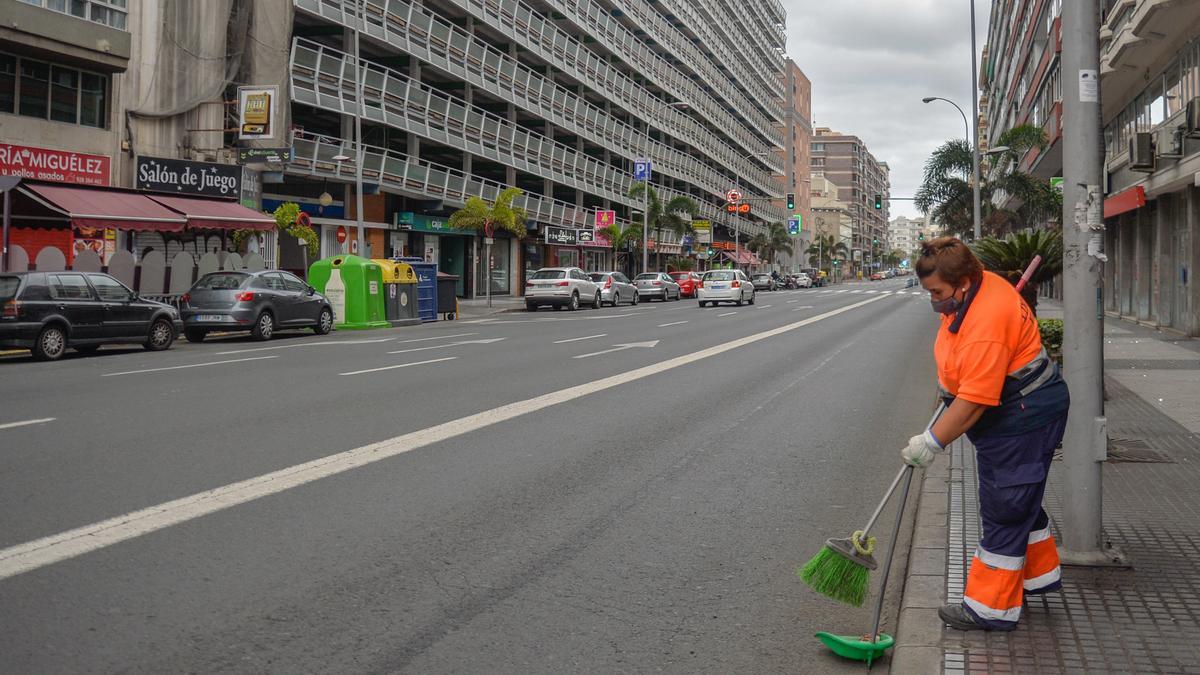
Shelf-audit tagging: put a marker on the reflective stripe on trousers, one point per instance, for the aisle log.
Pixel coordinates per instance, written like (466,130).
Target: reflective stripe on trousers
(997,583)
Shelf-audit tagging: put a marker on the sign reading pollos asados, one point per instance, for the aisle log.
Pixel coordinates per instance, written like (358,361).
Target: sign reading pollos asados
(183,177)
(54,165)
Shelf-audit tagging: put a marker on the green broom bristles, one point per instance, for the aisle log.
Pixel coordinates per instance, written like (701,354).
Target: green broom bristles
(831,574)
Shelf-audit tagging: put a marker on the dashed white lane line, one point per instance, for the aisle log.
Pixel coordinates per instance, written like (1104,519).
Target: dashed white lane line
(448,344)
(25,423)
(321,343)
(400,365)
(791,302)
(673,323)
(580,339)
(727,314)
(55,548)
(802,307)
(436,337)
(764,306)
(190,365)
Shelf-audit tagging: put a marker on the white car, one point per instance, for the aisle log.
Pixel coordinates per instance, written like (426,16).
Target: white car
(561,287)
(719,286)
(803,280)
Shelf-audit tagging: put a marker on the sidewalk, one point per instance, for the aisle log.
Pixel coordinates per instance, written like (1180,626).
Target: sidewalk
(475,308)
(1145,619)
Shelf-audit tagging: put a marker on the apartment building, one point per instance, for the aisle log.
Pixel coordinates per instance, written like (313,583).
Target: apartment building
(458,99)
(797,156)
(845,161)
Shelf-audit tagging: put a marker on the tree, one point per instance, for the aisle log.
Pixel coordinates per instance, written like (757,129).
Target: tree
(947,195)
(622,240)
(483,218)
(825,249)
(1009,257)
(668,216)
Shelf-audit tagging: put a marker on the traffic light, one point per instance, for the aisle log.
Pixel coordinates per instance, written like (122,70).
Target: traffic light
(879,201)
(791,201)
(920,236)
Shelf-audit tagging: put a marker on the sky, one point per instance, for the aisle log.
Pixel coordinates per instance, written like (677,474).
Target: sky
(872,61)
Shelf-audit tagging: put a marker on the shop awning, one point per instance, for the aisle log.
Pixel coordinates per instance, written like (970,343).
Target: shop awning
(1130,200)
(213,214)
(105,209)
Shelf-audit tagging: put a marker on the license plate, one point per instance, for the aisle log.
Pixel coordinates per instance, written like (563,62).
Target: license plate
(716,286)
(210,317)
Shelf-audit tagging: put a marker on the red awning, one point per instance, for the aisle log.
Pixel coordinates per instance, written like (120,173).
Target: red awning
(213,214)
(1129,200)
(105,209)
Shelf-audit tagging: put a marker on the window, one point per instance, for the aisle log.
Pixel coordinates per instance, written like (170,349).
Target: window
(293,284)
(50,91)
(108,12)
(271,281)
(69,287)
(35,88)
(92,104)
(8,83)
(221,281)
(109,289)
(64,95)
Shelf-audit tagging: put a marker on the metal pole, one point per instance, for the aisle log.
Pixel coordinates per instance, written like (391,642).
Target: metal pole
(646,210)
(978,221)
(737,219)
(360,154)
(488,264)
(4,240)
(1085,445)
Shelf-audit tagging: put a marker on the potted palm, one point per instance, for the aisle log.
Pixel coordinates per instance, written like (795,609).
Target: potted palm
(483,218)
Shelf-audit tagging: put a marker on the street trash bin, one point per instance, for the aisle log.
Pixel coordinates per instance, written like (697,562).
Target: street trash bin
(426,287)
(399,293)
(447,295)
(354,287)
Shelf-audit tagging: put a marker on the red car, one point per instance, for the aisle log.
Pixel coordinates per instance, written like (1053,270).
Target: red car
(688,282)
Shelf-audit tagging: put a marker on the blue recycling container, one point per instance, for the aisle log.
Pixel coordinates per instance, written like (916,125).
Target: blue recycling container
(427,294)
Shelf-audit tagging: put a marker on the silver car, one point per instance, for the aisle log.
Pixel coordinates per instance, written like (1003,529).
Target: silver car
(259,302)
(615,288)
(658,285)
(561,287)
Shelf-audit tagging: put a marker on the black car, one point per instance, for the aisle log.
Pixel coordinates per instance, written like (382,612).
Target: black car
(48,312)
(260,302)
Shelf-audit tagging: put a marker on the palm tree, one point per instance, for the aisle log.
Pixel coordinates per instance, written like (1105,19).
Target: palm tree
(483,218)
(622,240)
(826,248)
(946,190)
(778,240)
(1009,257)
(668,216)
(759,244)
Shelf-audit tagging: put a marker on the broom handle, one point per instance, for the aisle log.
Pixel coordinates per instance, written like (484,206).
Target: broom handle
(896,481)
(1033,265)
(887,563)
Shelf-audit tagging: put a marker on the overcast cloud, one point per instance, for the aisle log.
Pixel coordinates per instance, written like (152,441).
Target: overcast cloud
(872,61)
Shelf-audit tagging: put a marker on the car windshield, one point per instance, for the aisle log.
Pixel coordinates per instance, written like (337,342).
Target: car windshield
(549,274)
(221,281)
(8,287)
(679,275)
(647,276)
(598,276)
(726,275)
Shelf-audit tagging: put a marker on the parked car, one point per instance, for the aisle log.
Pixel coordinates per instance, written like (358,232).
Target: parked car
(657,285)
(687,282)
(802,280)
(763,282)
(260,302)
(615,288)
(719,286)
(561,287)
(877,276)
(49,312)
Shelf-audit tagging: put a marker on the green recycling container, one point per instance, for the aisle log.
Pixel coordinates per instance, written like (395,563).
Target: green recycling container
(354,287)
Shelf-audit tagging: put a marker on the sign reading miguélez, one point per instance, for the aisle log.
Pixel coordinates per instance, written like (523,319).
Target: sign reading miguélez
(182,177)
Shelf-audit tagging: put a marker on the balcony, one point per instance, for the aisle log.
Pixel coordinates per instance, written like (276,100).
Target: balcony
(45,33)
(1141,37)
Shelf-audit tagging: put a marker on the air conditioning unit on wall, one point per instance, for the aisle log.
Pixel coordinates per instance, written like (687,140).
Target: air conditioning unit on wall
(1141,152)
(1191,123)
(1169,143)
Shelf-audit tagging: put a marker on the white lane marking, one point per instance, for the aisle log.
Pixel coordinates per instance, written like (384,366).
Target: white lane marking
(793,301)
(323,343)
(727,314)
(25,423)
(855,292)
(190,365)
(622,347)
(449,344)
(802,307)
(764,306)
(55,548)
(402,365)
(578,339)
(437,337)
(673,323)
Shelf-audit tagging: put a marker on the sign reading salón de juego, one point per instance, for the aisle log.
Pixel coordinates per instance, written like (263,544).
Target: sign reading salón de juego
(184,177)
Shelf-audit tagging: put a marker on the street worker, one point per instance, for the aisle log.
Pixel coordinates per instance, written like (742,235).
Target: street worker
(1004,392)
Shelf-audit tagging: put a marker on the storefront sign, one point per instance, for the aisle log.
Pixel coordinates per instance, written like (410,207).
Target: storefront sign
(183,177)
(561,237)
(585,236)
(605,218)
(703,230)
(251,189)
(53,165)
(256,112)
(265,155)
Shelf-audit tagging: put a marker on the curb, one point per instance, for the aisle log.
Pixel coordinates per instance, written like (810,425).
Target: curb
(919,631)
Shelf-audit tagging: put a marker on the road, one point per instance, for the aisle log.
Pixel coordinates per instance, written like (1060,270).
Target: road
(628,489)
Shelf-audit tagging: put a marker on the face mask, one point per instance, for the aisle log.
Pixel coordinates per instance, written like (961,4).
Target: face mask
(949,306)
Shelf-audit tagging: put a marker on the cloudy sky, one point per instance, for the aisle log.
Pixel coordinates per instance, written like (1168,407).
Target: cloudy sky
(872,61)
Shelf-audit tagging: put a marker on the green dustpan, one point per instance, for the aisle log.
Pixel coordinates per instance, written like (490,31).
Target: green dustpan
(854,647)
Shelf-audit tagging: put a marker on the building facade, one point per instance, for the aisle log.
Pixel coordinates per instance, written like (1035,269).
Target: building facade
(861,179)
(797,157)
(832,220)
(458,100)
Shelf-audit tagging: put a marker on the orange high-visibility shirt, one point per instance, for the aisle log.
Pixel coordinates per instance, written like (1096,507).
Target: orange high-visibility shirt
(999,335)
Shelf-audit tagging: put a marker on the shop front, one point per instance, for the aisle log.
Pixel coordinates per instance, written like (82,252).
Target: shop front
(433,240)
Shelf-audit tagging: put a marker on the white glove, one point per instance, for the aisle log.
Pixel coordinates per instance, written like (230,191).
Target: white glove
(921,450)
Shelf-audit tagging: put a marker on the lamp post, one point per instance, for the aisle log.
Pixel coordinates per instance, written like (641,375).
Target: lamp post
(737,216)
(976,218)
(678,105)
(359,154)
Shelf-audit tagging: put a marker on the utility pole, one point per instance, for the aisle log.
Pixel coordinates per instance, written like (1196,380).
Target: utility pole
(1086,443)
(978,214)
(360,154)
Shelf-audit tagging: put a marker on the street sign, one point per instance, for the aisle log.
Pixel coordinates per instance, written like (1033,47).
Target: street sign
(733,196)
(341,235)
(737,208)
(264,155)
(794,225)
(1057,183)
(703,230)
(641,170)
(605,218)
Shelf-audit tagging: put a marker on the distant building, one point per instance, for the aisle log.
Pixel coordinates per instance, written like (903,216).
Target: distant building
(831,216)
(844,160)
(906,234)
(796,157)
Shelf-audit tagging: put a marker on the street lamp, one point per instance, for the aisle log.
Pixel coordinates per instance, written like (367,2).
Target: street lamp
(678,105)
(737,231)
(977,217)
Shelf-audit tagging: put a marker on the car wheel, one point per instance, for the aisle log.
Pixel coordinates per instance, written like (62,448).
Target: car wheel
(324,322)
(738,302)
(574,302)
(161,336)
(51,344)
(264,328)
(195,334)
(637,297)
(702,304)
(596,304)
(751,300)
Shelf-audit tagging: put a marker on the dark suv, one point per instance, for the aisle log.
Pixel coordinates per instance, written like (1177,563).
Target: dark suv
(47,312)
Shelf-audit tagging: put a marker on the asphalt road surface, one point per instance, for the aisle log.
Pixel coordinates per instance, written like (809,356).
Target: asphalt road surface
(621,490)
